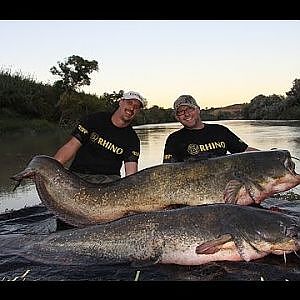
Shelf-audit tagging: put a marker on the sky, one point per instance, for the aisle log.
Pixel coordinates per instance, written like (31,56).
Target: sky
(218,62)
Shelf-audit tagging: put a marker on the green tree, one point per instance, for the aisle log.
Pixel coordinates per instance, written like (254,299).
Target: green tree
(292,103)
(294,94)
(74,73)
(111,100)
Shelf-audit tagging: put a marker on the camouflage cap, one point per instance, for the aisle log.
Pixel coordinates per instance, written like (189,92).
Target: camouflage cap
(185,100)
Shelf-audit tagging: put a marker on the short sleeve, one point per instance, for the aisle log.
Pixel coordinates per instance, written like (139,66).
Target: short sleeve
(169,151)
(235,144)
(132,153)
(81,131)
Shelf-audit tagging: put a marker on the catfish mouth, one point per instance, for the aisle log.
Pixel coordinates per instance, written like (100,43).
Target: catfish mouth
(290,165)
(293,233)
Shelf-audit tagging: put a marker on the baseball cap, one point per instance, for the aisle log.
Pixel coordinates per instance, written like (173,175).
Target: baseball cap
(185,100)
(134,95)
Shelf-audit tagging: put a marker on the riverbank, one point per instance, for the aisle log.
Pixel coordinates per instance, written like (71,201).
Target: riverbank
(18,125)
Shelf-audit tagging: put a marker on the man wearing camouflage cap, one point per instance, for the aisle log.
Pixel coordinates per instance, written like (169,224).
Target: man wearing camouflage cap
(198,140)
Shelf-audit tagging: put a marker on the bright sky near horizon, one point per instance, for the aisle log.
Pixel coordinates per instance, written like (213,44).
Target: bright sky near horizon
(218,62)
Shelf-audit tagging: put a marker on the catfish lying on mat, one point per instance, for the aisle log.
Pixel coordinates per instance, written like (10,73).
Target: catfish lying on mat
(243,178)
(186,236)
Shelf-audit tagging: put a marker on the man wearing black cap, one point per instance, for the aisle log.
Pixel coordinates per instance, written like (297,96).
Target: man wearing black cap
(198,140)
(102,141)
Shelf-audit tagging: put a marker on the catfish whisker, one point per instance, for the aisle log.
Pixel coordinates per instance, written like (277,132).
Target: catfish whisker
(284,257)
(295,158)
(284,230)
(17,184)
(297,254)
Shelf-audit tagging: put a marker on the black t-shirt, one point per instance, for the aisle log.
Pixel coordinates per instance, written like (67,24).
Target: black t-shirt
(211,141)
(104,146)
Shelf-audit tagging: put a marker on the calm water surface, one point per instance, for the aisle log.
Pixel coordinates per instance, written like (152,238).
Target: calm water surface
(17,150)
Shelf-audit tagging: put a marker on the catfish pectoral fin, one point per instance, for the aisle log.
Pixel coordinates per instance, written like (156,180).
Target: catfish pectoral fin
(246,250)
(213,246)
(231,190)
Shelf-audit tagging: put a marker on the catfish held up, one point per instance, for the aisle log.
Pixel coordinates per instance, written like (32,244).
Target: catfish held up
(242,178)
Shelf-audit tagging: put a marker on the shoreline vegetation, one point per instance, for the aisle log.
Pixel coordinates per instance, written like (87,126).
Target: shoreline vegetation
(30,106)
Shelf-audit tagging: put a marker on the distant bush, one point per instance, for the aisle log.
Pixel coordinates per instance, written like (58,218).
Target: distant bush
(27,126)
(23,95)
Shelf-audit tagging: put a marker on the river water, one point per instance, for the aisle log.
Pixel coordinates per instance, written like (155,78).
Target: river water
(17,150)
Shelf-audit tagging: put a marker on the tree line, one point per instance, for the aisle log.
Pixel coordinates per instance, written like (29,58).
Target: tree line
(62,103)
(275,107)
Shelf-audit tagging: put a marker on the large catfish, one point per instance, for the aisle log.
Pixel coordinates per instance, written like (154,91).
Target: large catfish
(185,236)
(243,178)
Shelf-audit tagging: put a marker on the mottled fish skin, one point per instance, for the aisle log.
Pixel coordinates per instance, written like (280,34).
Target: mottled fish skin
(192,235)
(242,178)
